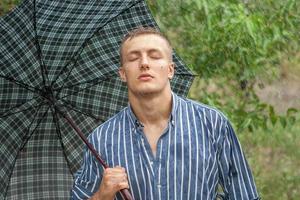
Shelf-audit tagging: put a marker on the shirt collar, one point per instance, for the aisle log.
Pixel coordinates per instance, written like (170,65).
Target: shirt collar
(172,118)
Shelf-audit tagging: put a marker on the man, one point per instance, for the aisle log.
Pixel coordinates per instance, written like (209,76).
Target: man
(162,146)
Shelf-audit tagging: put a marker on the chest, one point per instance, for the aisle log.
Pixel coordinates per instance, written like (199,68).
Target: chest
(185,161)
(152,135)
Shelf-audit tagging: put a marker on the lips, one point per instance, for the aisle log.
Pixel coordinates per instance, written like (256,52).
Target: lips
(145,77)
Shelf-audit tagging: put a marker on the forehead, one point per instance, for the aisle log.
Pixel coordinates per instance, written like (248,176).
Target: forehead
(144,42)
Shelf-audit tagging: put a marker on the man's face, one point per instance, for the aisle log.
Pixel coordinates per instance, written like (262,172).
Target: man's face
(147,64)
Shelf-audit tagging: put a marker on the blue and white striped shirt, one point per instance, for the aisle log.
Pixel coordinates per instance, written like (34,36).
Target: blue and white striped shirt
(197,152)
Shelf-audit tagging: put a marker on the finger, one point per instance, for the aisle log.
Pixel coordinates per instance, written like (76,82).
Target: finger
(114,174)
(115,169)
(122,185)
(116,179)
(119,167)
(116,184)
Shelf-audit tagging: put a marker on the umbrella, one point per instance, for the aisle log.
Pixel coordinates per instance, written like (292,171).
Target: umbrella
(61,58)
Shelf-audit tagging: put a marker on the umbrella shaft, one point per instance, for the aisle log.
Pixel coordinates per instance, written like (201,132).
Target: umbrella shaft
(91,148)
(125,192)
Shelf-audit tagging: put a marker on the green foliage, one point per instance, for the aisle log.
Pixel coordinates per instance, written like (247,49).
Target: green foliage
(244,109)
(228,37)
(232,44)
(274,160)
(7,5)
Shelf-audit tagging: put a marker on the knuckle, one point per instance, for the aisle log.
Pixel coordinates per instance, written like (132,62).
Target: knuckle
(106,184)
(120,185)
(107,170)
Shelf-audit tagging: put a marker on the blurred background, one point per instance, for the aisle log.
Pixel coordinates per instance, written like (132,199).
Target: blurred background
(246,54)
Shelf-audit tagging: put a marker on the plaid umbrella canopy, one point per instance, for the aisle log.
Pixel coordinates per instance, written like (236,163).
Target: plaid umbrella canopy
(62,53)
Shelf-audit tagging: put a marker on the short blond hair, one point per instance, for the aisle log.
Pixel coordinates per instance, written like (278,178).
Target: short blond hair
(142,31)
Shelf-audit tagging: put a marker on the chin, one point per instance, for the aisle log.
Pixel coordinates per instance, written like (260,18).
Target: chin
(147,92)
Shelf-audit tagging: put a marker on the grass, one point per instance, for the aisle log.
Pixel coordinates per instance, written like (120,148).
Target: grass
(274,157)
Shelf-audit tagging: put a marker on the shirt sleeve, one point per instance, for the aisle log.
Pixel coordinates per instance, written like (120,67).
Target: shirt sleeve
(235,175)
(87,178)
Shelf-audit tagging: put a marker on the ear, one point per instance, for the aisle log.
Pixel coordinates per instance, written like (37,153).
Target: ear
(171,70)
(122,74)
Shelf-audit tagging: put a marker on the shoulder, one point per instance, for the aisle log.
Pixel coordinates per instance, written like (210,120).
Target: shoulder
(211,119)
(206,111)
(108,124)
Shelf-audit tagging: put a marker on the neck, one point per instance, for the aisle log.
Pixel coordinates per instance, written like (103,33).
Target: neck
(151,108)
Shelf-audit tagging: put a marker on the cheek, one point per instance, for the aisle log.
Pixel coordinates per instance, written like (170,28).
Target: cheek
(161,65)
(131,74)
(164,68)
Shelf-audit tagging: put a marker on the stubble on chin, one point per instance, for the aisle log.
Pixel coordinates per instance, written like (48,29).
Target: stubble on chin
(145,93)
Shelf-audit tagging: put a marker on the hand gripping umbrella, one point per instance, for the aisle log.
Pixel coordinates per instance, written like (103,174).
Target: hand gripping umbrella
(58,77)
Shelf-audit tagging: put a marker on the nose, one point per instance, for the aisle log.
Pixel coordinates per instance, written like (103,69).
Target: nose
(144,63)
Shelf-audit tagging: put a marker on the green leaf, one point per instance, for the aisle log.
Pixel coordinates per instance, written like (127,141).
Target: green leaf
(246,123)
(292,120)
(272,115)
(291,111)
(283,121)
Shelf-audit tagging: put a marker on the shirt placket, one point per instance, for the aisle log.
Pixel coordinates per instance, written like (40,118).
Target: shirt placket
(153,163)
(158,170)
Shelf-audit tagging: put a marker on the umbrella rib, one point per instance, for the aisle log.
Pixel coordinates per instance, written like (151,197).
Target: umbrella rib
(23,145)
(39,51)
(56,122)
(26,138)
(84,82)
(12,108)
(84,44)
(69,105)
(8,114)
(60,89)
(23,85)
(82,88)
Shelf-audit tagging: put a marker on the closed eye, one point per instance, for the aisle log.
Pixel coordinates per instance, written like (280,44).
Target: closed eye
(155,54)
(133,57)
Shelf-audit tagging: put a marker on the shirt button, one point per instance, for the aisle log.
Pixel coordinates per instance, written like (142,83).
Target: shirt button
(151,163)
(159,185)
